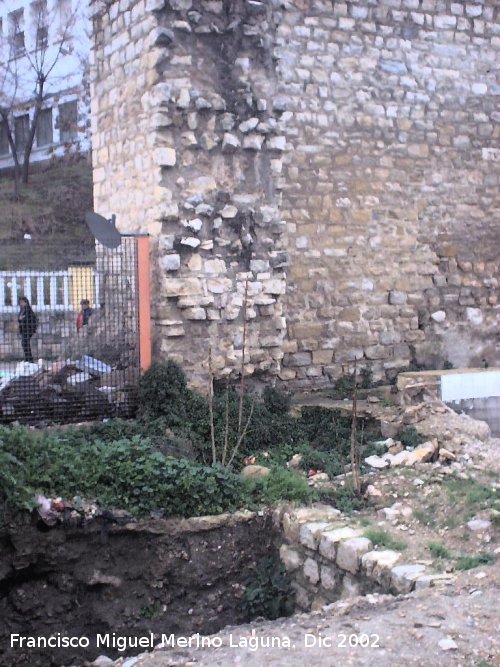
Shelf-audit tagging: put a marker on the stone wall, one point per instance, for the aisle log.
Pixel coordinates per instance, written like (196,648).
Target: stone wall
(328,557)
(391,186)
(327,171)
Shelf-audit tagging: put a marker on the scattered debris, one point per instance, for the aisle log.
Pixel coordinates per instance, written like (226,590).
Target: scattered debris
(63,391)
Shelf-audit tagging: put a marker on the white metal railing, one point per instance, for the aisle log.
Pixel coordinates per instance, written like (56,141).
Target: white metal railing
(46,290)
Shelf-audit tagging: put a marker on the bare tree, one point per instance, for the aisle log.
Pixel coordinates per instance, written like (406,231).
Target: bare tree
(29,65)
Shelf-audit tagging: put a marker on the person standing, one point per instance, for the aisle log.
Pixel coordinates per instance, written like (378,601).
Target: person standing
(27,326)
(84,315)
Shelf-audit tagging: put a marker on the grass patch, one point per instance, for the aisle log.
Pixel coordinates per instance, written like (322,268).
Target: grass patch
(426,517)
(470,562)
(438,550)
(468,496)
(381,538)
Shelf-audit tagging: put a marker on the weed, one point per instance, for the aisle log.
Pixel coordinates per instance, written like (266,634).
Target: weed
(386,402)
(471,496)
(268,591)
(366,377)
(344,498)
(382,538)
(344,386)
(151,610)
(470,562)
(438,550)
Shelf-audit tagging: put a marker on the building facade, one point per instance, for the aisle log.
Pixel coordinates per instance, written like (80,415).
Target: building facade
(319,179)
(47,38)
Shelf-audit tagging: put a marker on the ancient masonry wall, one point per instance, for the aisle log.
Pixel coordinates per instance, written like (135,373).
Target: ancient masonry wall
(327,171)
(328,558)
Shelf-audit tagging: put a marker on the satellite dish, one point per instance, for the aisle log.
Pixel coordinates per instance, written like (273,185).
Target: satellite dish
(103,230)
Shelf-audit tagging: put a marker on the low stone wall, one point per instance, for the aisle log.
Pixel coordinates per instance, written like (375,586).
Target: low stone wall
(328,558)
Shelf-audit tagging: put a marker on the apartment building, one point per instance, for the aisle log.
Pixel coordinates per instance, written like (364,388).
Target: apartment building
(49,37)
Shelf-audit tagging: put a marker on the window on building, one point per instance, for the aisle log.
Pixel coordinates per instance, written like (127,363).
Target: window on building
(68,122)
(16,32)
(39,22)
(44,134)
(65,16)
(21,130)
(4,141)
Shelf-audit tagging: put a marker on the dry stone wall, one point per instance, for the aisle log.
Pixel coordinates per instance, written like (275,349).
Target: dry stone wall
(326,171)
(328,557)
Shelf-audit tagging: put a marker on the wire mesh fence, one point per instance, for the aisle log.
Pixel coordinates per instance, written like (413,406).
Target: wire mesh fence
(69,344)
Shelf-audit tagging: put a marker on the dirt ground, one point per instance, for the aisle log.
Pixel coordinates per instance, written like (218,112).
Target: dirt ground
(429,628)
(455,624)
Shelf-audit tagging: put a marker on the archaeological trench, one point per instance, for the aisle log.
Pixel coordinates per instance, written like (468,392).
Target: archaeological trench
(326,172)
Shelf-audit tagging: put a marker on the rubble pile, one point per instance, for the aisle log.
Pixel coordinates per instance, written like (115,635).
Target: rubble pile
(64,391)
(448,433)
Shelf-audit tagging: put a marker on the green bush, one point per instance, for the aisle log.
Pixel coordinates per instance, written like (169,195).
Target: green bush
(128,474)
(366,374)
(410,437)
(268,591)
(162,389)
(280,484)
(344,498)
(276,402)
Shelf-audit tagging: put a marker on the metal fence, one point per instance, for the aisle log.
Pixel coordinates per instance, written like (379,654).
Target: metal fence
(69,339)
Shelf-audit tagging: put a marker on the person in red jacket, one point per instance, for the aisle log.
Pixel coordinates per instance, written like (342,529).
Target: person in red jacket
(84,314)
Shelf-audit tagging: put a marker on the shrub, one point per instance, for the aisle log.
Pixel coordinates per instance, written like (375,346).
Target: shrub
(268,591)
(280,484)
(125,473)
(162,387)
(344,498)
(410,437)
(344,386)
(276,402)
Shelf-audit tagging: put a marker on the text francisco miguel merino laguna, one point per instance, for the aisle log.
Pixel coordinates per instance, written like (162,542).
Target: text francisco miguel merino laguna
(123,643)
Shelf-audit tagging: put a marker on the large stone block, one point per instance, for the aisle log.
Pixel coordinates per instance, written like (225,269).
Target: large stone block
(311,570)
(310,533)
(182,287)
(378,563)
(350,551)
(403,577)
(330,539)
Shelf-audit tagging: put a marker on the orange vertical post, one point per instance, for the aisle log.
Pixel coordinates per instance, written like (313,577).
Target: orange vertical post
(144,295)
